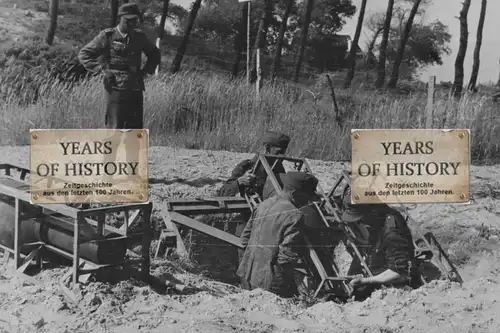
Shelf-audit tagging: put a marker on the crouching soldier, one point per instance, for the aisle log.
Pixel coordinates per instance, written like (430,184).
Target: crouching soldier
(243,181)
(273,238)
(383,231)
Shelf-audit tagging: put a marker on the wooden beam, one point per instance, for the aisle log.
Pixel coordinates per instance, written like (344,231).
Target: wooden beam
(28,259)
(25,196)
(167,220)
(205,229)
(130,220)
(17,241)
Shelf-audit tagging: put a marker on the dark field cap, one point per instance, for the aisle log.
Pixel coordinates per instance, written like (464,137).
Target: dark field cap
(299,181)
(276,139)
(129,10)
(352,213)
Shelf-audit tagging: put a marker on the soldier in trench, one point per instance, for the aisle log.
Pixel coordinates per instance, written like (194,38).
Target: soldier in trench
(243,181)
(383,234)
(273,238)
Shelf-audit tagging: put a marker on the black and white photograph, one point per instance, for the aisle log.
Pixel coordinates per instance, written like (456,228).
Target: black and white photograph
(250,166)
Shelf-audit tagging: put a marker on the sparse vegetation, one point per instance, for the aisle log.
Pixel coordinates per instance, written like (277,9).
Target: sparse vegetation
(210,111)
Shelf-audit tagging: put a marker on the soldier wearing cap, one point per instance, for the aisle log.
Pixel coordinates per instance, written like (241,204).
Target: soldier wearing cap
(243,181)
(384,235)
(273,238)
(273,143)
(121,49)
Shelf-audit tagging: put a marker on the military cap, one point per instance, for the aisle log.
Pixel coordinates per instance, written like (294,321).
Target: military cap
(129,10)
(276,139)
(299,181)
(353,213)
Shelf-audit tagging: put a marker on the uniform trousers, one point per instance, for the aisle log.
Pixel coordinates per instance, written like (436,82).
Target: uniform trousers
(124,109)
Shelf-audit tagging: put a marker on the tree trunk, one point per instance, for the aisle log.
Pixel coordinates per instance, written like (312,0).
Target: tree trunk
(54,11)
(176,63)
(303,38)
(163,19)
(351,57)
(260,41)
(459,61)
(240,41)
(383,46)
(371,60)
(114,13)
(281,37)
(477,48)
(402,45)
(161,29)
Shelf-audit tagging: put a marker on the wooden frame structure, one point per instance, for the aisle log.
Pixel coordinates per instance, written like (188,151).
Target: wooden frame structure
(88,226)
(179,212)
(322,268)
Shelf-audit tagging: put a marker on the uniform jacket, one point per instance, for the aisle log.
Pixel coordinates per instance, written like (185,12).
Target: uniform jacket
(392,246)
(122,56)
(231,188)
(273,240)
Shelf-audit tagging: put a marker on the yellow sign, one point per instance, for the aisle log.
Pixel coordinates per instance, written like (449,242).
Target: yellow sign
(410,166)
(89,166)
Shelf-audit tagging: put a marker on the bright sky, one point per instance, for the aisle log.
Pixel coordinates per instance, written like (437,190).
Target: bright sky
(447,11)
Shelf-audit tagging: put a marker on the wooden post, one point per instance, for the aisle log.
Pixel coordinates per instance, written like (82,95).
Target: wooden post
(259,73)
(248,40)
(429,115)
(76,247)
(17,245)
(146,241)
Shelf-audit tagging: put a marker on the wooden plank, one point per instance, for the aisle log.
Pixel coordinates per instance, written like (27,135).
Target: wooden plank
(113,209)
(129,221)
(206,229)
(17,245)
(28,259)
(167,220)
(146,242)
(76,248)
(25,196)
(270,174)
(209,206)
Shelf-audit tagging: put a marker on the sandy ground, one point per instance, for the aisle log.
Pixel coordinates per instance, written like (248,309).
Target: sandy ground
(468,232)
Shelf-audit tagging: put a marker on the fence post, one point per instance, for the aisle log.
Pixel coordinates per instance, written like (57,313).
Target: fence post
(429,114)
(259,74)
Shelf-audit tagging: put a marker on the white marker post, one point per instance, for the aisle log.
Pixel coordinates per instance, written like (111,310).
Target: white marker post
(248,37)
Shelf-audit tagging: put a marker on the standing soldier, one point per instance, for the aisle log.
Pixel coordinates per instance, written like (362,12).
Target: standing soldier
(122,48)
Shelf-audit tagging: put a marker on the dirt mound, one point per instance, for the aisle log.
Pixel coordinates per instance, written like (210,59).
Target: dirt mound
(469,232)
